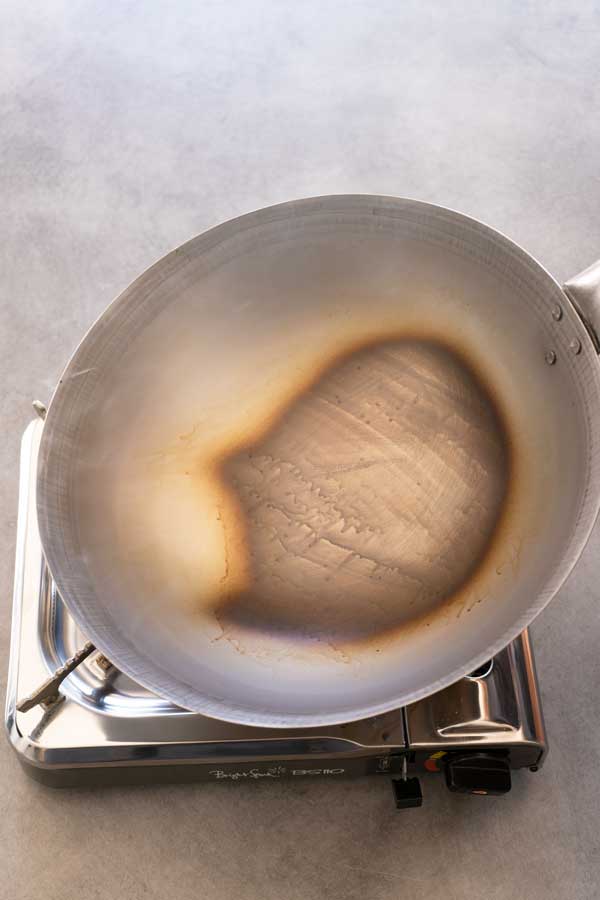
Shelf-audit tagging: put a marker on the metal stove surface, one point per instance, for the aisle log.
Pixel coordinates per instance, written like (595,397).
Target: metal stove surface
(106,728)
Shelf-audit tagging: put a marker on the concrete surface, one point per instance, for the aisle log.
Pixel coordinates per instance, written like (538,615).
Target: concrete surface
(126,128)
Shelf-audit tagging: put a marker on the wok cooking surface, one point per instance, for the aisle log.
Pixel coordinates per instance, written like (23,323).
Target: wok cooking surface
(366,502)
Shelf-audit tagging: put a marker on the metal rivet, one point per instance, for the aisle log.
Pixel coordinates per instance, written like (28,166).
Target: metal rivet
(557,313)
(550,357)
(575,346)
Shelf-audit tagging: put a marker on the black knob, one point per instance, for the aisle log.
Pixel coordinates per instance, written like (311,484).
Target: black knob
(478,773)
(407,792)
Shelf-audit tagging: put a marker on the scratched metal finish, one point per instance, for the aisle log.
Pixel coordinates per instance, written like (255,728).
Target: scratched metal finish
(369,502)
(422,534)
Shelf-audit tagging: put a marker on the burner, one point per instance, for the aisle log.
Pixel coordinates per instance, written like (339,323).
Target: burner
(102,727)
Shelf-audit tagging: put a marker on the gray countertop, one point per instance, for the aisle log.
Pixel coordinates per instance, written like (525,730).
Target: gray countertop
(126,128)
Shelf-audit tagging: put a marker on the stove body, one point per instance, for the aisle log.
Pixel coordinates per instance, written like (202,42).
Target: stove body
(105,728)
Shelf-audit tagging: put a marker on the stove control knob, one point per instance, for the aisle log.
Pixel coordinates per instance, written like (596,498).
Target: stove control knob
(478,773)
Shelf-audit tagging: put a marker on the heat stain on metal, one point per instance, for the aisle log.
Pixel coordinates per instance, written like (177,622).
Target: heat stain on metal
(369,500)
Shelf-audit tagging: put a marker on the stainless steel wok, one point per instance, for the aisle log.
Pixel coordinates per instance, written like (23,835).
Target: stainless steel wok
(323,460)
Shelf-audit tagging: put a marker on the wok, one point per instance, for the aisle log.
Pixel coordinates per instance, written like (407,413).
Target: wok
(323,460)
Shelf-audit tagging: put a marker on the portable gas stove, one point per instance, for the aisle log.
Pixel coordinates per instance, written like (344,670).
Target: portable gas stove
(103,728)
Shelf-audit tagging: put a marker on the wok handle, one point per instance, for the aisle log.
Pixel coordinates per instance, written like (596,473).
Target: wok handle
(583,291)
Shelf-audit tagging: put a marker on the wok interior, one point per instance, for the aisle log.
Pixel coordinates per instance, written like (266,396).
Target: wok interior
(367,503)
(326,470)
